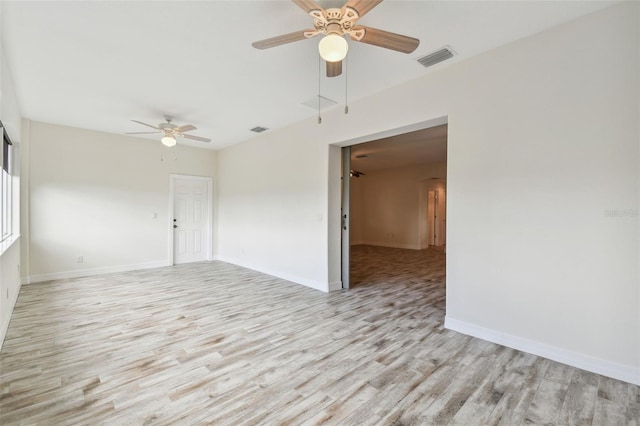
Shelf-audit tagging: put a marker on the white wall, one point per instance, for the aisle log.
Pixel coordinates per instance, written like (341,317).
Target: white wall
(94,195)
(275,220)
(10,250)
(543,143)
(389,206)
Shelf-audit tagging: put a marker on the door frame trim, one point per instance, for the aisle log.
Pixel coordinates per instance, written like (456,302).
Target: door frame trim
(345,218)
(209,231)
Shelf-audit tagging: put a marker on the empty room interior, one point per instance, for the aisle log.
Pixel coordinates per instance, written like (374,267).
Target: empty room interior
(397,200)
(320,212)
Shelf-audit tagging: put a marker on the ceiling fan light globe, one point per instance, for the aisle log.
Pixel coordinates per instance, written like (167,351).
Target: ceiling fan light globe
(333,48)
(168,141)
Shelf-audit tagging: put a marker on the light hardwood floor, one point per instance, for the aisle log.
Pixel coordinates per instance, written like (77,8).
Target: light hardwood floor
(216,343)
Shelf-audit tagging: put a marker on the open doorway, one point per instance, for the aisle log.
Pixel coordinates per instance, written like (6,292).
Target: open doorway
(397,209)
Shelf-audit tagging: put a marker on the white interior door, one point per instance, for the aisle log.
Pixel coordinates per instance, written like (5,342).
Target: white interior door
(191,219)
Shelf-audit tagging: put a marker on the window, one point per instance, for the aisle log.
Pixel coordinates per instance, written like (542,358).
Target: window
(6,195)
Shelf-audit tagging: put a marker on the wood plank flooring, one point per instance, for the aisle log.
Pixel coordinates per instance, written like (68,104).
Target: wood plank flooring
(213,343)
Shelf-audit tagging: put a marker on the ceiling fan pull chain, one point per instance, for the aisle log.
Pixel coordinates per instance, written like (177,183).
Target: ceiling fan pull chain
(319,79)
(346,86)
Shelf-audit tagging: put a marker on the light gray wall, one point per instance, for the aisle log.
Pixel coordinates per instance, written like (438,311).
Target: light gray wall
(543,146)
(94,195)
(10,250)
(275,191)
(389,207)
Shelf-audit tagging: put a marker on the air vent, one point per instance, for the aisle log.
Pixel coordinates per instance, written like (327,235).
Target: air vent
(259,129)
(436,57)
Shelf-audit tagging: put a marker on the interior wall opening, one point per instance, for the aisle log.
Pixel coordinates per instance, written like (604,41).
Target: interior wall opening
(397,210)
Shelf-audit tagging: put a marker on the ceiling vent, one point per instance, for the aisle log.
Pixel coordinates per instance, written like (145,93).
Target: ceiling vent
(436,57)
(259,129)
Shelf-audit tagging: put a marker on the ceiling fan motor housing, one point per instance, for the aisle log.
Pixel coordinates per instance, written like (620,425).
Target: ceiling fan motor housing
(333,21)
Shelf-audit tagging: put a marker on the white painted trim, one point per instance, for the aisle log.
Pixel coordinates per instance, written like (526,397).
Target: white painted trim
(627,373)
(5,328)
(395,131)
(336,285)
(209,180)
(345,219)
(94,271)
(316,285)
(7,243)
(25,199)
(389,244)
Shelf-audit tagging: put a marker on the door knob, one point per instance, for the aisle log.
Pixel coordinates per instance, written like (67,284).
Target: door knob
(175,226)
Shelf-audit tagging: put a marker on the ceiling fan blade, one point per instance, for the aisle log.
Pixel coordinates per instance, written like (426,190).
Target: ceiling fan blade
(279,40)
(186,128)
(362,6)
(334,69)
(307,5)
(385,39)
(196,138)
(145,124)
(142,133)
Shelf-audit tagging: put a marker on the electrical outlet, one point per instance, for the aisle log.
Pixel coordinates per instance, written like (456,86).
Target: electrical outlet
(80,259)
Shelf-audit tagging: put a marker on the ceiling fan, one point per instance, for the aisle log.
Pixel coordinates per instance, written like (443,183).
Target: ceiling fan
(170,131)
(334,24)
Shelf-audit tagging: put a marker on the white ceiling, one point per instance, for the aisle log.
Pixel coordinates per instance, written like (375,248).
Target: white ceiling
(425,146)
(97,65)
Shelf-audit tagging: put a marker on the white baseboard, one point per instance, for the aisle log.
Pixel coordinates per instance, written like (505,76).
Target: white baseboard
(410,246)
(4,322)
(93,271)
(317,285)
(614,370)
(336,285)
(5,328)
